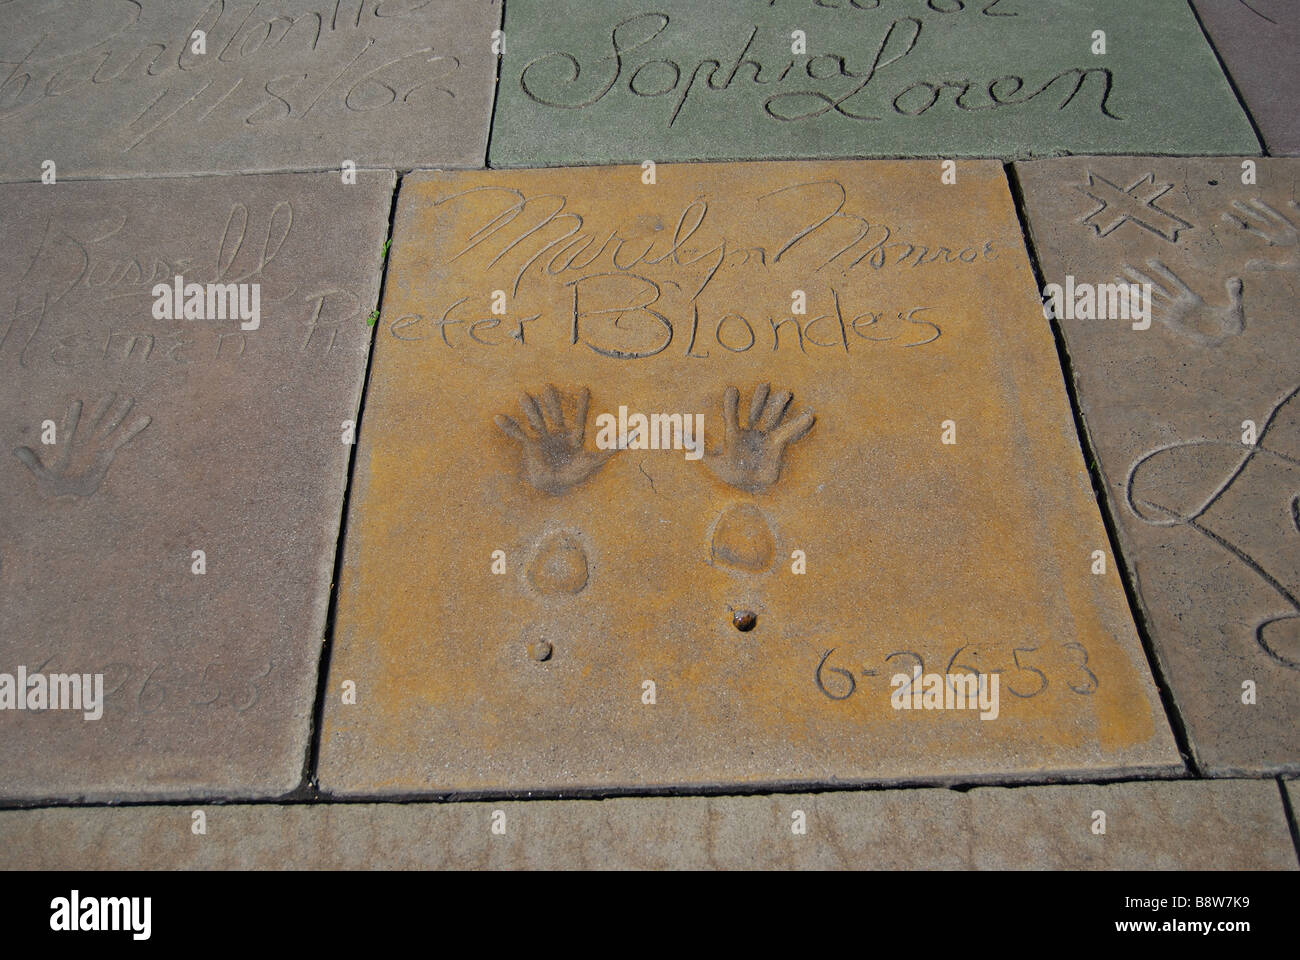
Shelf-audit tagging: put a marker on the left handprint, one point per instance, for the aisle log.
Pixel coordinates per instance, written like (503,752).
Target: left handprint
(554,458)
(83,455)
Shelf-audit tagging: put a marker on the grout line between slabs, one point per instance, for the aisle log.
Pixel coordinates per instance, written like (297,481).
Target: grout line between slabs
(1232,84)
(1127,574)
(1288,812)
(315,797)
(402,170)
(308,786)
(496,91)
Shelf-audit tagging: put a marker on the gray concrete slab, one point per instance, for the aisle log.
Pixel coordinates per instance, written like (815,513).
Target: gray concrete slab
(1195,420)
(119,88)
(171,485)
(1219,825)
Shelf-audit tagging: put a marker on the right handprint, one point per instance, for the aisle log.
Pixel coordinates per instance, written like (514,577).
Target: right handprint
(1261,221)
(752,455)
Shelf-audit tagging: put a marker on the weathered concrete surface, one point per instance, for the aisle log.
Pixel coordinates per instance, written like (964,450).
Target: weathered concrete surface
(1204,825)
(627,81)
(850,540)
(117,87)
(1205,501)
(1259,42)
(167,437)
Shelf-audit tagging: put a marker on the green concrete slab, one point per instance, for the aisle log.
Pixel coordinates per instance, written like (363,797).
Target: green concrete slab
(629,81)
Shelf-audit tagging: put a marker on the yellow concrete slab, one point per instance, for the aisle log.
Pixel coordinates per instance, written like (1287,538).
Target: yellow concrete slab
(528,603)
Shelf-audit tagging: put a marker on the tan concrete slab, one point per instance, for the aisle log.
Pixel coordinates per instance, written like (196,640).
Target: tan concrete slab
(1195,422)
(125,87)
(1188,825)
(171,489)
(736,618)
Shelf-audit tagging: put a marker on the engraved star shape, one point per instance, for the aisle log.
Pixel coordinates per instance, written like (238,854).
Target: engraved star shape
(1129,206)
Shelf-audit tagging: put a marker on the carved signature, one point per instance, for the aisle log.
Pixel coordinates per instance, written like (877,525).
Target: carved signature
(1279,636)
